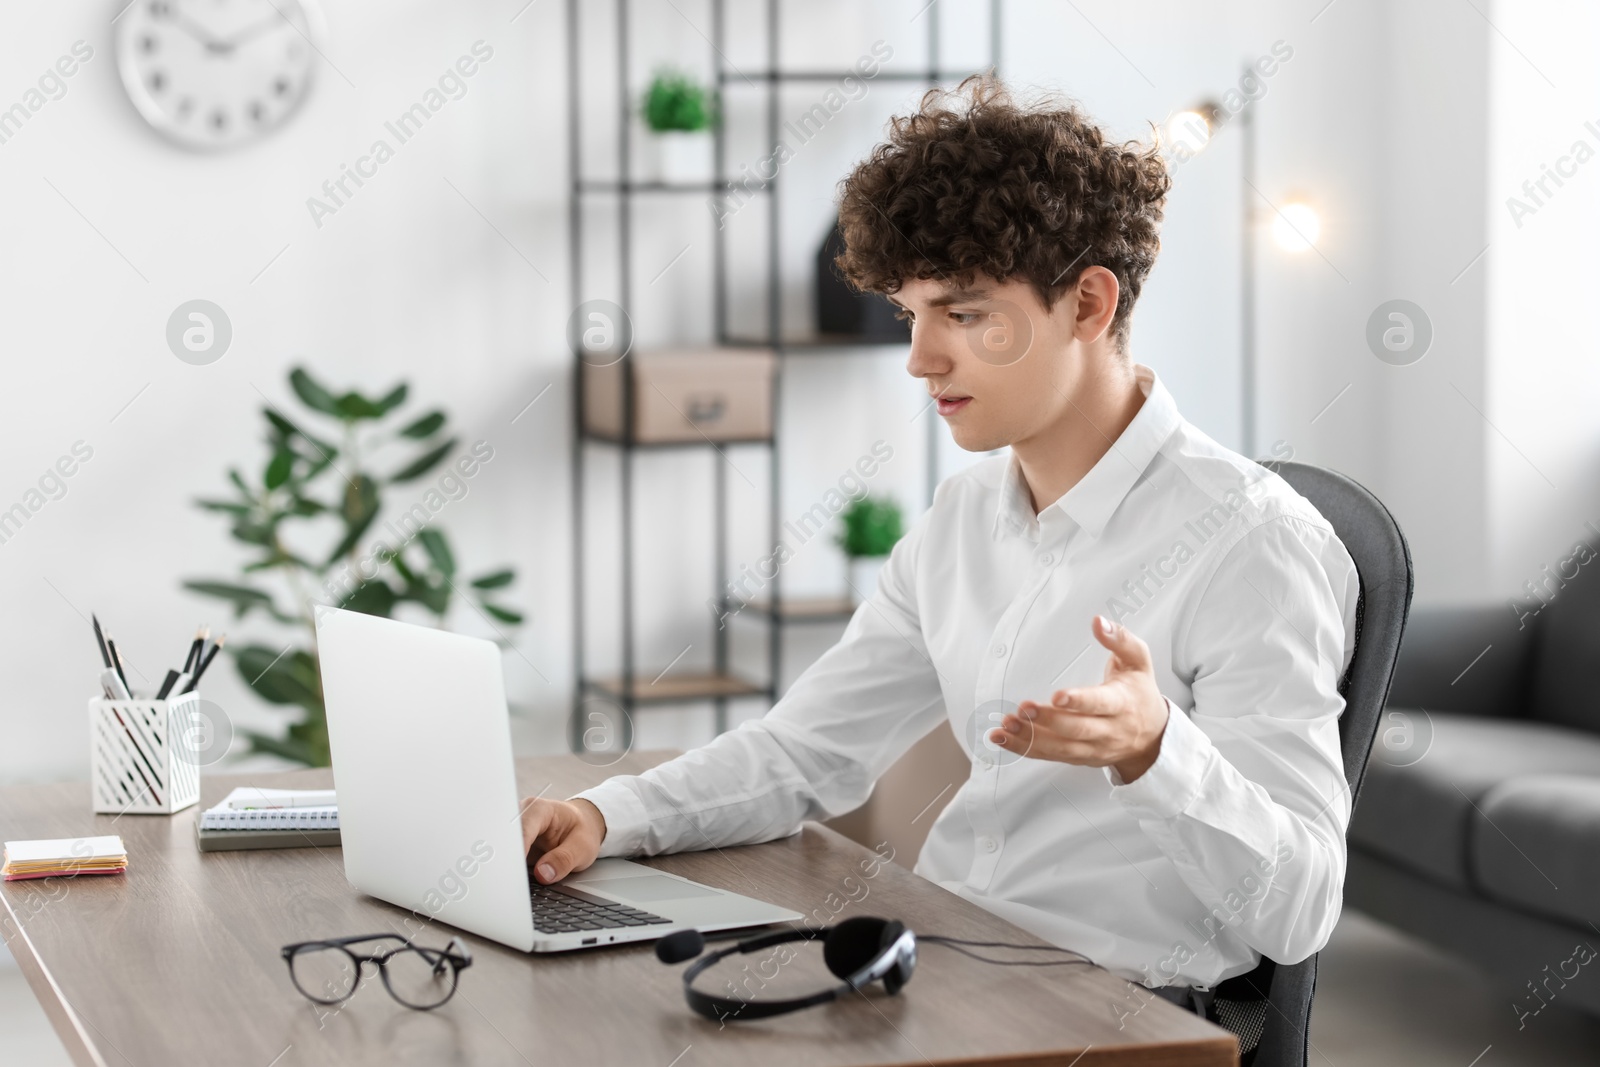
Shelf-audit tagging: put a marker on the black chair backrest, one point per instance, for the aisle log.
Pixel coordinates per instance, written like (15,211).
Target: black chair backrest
(1383,561)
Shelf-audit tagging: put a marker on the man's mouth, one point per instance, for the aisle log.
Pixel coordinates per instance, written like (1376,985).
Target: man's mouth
(949,403)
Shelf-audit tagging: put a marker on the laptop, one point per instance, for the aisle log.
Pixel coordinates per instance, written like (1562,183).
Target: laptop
(429,815)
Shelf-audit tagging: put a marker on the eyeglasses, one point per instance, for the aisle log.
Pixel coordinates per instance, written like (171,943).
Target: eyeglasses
(328,972)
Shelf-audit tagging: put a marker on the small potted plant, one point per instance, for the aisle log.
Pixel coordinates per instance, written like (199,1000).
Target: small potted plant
(870,528)
(679,113)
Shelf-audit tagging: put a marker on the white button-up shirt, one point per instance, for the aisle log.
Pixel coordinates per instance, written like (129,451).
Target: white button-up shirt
(1229,847)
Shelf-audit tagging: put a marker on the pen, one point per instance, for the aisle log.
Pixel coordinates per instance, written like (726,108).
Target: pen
(116,664)
(99,639)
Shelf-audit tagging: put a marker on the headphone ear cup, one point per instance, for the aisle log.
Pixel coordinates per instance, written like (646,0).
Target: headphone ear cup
(853,944)
(897,975)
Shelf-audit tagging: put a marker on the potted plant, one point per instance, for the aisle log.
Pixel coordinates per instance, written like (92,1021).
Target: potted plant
(679,113)
(309,518)
(870,528)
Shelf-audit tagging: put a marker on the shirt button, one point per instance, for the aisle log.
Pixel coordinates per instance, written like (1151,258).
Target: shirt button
(1046,559)
(999,650)
(988,844)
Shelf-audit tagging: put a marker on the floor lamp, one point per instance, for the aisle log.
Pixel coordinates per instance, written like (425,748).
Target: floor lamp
(1295,228)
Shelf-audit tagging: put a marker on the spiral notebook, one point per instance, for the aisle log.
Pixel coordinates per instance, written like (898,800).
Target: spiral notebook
(252,817)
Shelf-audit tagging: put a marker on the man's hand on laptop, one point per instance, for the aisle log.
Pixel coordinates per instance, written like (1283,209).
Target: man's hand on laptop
(560,836)
(1118,723)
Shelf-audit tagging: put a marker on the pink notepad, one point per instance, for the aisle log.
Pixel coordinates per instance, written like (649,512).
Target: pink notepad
(68,856)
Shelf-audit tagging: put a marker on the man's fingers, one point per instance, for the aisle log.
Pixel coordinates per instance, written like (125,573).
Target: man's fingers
(535,817)
(555,865)
(1054,722)
(1130,649)
(1090,700)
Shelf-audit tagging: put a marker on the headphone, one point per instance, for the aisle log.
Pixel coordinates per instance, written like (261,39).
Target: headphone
(858,951)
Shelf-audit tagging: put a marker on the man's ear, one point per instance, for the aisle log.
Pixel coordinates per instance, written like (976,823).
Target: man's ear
(1096,292)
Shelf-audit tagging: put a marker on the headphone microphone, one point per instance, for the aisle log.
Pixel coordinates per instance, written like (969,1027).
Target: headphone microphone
(859,951)
(681,945)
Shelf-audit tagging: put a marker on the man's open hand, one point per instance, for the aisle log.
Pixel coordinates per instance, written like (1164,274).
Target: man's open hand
(1118,723)
(560,836)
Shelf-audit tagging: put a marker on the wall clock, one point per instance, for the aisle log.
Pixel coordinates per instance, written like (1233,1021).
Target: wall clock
(216,74)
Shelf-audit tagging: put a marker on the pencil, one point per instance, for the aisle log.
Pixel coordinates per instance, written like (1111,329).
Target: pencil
(201,669)
(200,636)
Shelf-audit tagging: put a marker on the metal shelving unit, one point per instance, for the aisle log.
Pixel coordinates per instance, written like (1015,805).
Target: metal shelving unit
(633,688)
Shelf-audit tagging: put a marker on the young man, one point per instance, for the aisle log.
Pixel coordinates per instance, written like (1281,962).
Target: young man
(1137,634)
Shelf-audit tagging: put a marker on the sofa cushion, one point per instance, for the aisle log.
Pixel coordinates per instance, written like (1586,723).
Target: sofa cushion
(1535,843)
(1564,687)
(1416,805)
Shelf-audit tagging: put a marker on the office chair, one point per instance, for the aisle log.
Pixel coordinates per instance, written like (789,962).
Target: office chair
(1383,562)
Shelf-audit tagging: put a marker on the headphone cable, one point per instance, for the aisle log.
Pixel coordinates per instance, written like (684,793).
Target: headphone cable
(956,944)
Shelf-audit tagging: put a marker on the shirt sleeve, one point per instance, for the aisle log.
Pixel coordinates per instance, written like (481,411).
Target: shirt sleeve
(815,755)
(1247,796)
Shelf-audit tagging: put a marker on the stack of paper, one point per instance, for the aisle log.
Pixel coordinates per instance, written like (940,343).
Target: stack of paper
(65,856)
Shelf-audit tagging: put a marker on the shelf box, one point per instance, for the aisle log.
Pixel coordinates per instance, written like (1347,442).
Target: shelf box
(697,394)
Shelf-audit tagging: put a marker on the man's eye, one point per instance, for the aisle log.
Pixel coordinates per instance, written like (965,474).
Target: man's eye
(963,318)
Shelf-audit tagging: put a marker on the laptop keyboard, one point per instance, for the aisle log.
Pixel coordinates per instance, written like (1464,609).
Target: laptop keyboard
(564,909)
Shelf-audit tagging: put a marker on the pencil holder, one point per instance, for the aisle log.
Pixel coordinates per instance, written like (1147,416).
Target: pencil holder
(144,757)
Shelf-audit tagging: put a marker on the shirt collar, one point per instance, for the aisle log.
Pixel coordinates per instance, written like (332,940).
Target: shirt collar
(1100,492)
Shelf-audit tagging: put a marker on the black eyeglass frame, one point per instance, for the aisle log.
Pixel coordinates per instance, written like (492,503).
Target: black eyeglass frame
(455,954)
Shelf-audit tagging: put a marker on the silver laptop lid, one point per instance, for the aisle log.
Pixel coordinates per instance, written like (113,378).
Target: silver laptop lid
(423,770)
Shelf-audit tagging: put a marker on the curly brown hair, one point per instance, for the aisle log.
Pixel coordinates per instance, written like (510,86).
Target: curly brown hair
(973,182)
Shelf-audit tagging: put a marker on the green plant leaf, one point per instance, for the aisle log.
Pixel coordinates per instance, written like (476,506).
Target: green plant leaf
(503,614)
(278,468)
(253,533)
(405,571)
(392,399)
(243,598)
(497,580)
(244,491)
(371,598)
(305,506)
(360,508)
(312,732)
(871,526)
(227,506)
(433,596)
(312,394)
(426,426)
(423,464)
(286,431)
(438,548)
(280,677)
(353,405)
(278,559)
(675,101)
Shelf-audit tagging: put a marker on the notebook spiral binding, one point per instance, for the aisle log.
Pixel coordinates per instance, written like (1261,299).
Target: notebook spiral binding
(144,755)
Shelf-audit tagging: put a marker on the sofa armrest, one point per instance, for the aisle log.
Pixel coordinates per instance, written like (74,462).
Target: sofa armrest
(1473,660)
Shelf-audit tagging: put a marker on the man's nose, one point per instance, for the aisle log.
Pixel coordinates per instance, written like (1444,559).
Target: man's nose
(926,357)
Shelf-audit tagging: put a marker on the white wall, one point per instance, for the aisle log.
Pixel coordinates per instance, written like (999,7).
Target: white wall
(1378,119)
(407,281)
(1542,455)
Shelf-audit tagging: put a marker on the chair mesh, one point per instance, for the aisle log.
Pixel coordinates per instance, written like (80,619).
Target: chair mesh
(1245,1019)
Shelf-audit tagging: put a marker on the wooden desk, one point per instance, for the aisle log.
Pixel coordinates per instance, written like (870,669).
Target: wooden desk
(177,963)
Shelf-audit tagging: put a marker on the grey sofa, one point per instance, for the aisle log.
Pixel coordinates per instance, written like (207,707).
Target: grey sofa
(1479,825)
